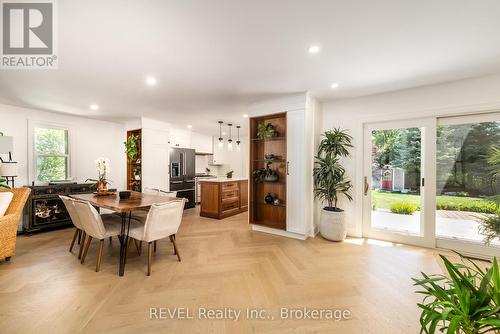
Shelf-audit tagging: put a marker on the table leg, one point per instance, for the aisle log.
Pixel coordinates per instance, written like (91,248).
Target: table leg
(125,228)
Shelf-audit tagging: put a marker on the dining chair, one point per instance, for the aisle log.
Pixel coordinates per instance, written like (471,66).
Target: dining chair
(79,231)
(163,220)
(98,226)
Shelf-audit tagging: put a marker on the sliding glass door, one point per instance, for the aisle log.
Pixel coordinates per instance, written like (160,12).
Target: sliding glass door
(467,181)
(432,182)
(394,182)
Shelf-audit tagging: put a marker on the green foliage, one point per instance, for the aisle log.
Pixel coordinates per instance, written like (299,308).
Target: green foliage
(266,130)
(51,146)
(262,173)
(490,228)
(336,143)
(230,174)
(383,200)
(404,208)
(3,183)
(467,300)
(137,170)
(132,147)
(494,160)
(330,179)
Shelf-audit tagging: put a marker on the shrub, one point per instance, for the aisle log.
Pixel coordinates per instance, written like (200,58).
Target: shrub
(404,208)
(490,228)
(465,204)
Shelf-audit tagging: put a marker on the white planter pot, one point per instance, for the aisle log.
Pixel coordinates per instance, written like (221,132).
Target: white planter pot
(333,225)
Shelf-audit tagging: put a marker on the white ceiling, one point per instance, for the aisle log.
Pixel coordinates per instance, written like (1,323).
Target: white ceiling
(212,57)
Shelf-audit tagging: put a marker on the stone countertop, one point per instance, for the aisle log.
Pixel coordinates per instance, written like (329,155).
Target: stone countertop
(223,179)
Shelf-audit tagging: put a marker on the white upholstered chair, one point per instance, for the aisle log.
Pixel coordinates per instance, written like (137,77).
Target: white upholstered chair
(163,220)
(98,227)
(79,231)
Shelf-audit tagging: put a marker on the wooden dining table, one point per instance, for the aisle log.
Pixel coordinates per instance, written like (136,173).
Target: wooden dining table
(124,207)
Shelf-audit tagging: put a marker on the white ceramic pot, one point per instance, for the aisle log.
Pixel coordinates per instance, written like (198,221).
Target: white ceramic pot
(333,225)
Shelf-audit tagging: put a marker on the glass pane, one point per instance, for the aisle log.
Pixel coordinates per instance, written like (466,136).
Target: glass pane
(396,165)
(51,141)
(51,168)
(466,181)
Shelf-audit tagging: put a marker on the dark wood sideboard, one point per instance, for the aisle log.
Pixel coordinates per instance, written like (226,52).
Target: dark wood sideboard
(45,210)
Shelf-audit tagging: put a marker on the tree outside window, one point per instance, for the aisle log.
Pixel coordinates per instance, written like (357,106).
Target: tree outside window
(51,154)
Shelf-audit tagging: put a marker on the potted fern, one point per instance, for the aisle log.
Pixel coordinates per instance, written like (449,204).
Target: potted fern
(330,182)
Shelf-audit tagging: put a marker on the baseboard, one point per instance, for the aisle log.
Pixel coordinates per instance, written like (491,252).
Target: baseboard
(260,228)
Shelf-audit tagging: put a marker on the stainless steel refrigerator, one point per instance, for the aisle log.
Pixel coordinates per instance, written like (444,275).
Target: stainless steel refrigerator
(182,174)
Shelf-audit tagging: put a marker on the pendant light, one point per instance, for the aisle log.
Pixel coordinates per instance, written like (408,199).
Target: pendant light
(221,143)
(238,142)
(230,140)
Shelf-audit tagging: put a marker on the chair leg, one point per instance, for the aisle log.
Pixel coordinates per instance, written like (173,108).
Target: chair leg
(7,259)
(172,238)
(86,248)
(99,256)
(79,236)
(175,248)
(110,239)
(154,244)
(138,246)
(82,245)
(150,256)
(127,248)
(74,239)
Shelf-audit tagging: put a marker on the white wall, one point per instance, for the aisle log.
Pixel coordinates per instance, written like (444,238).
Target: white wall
(454,98)
(89,139)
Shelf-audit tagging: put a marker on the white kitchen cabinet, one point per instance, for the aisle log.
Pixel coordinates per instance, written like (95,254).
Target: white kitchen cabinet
(201,143)
(219,154)
(180,138)
(155,157)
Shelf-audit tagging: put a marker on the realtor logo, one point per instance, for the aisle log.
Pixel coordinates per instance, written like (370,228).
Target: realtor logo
(28,35)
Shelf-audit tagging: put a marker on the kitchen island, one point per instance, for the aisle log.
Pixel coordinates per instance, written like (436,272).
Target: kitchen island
(223,197)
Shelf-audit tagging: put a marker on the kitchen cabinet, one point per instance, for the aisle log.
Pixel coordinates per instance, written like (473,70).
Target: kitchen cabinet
(219,154)
(222,198)
(180,138)
(201,143)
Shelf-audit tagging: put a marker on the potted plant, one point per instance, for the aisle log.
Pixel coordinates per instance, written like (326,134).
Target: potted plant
(466,300)
(102,167)
(229,174)
(266,130)
(137,172)
(3,183)
(330,182)
(132,147)
(265,174)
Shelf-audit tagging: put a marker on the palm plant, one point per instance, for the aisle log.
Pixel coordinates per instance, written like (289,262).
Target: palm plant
(466,301)
(329,175)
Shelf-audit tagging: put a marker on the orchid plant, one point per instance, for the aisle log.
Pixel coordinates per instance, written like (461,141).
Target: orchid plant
(102,168)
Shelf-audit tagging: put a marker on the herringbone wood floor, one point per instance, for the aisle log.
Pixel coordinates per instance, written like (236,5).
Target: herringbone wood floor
(44,289)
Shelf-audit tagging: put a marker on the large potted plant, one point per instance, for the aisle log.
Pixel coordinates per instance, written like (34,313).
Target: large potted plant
(330,182)
(465,300)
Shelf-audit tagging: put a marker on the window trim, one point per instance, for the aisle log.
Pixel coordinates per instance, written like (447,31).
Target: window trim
(32,125)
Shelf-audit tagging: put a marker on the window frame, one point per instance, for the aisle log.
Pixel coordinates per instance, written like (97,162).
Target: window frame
(33,125)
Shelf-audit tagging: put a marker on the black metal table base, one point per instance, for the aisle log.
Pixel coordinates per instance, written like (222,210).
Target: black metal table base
(124,241)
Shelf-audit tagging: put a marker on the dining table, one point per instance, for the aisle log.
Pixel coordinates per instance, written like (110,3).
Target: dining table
(124,207)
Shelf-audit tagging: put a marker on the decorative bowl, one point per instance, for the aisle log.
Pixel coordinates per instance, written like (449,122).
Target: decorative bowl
(124,194)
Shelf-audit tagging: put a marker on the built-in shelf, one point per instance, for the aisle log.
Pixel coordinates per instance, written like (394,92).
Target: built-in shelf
(275,182)
(203,153)
(270,160)
(281,205)
(269,139)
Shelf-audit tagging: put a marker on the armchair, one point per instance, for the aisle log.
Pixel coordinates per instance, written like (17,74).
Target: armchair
(9,222)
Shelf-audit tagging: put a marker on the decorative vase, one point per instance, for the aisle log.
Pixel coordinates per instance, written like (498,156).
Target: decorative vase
(333,225)
(271,178)
(269,198)
(276,201)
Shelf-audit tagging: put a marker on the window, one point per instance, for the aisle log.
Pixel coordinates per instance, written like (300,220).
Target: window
(51,154)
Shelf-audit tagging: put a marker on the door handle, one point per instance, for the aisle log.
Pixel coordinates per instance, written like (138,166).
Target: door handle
(367,186)
(288,168)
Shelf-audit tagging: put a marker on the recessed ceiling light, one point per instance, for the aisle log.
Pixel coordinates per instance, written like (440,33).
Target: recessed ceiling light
(313,49)
(190,126)
(334,85)
(151,81)
(245,116)
(94,107)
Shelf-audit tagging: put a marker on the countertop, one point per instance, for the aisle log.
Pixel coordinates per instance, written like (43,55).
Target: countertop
(222,179)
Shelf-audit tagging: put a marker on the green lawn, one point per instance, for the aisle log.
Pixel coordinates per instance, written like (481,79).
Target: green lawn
(383,200)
